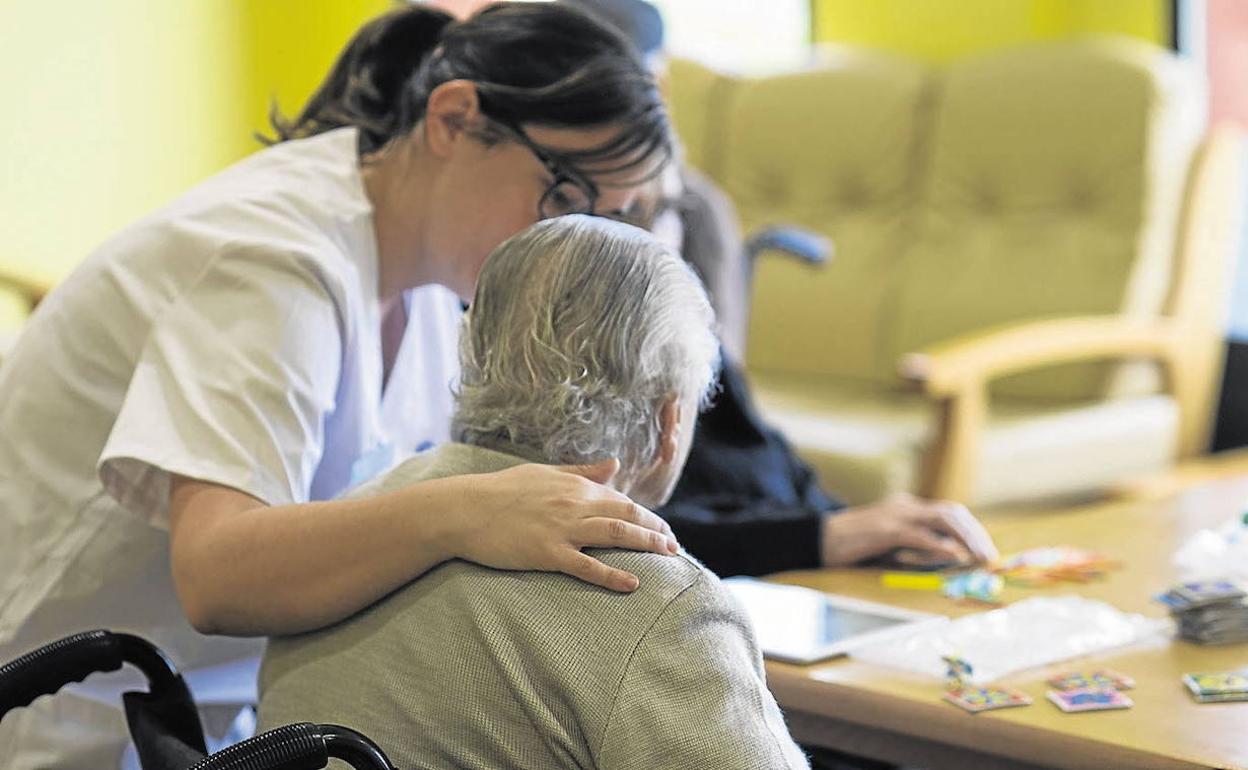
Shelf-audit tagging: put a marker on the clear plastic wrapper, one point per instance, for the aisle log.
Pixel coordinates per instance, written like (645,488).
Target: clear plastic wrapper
(1026,634)
(1213,554)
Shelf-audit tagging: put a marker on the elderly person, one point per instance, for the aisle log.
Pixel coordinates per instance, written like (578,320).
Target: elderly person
(586,340)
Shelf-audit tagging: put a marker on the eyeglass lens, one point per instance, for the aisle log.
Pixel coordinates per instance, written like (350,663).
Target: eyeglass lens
(565,197)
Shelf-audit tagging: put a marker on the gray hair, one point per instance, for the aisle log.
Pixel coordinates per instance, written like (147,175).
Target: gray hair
(580,328)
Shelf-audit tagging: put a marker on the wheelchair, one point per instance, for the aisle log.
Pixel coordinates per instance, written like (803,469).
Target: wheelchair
(163,722)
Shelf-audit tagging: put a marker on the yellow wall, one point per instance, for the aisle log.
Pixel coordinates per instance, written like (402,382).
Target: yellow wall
(288,45)
(109,109)
(940,30)
(112,108)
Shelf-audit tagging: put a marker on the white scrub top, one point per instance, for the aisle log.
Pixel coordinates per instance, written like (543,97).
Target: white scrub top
(232,336)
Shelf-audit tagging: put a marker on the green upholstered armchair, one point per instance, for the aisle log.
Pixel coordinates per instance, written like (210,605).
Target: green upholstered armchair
(1032,262)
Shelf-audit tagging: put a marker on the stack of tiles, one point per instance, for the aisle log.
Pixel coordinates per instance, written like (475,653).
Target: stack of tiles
(1100,691)
(1210,612)
(1219,687)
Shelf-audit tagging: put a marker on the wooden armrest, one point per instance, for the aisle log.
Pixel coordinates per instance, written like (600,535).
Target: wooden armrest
(956,374)
(31,291)
(972,360)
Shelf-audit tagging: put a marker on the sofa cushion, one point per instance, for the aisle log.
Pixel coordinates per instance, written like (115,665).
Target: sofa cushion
(695,94)
(831,149)
(1053,187)
(865,442)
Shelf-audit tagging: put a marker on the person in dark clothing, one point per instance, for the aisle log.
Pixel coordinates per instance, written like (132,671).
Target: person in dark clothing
(747,504)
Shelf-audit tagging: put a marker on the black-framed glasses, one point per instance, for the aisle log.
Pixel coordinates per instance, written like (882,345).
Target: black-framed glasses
(569,192)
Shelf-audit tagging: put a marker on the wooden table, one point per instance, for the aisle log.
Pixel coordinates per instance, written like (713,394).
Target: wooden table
(898,716)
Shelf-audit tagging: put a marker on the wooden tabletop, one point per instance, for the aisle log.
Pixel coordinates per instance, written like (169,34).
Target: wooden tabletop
(898,715)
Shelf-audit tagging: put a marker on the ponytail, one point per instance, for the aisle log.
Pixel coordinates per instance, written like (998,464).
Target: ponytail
(531,62)
(365,85)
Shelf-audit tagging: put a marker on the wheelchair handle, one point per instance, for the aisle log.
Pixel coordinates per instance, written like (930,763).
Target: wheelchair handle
(76,657)
(73,658)
(302,746)
(805,245)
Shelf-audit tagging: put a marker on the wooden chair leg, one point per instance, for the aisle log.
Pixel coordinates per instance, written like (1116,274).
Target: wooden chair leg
(1194,378)
(952,456)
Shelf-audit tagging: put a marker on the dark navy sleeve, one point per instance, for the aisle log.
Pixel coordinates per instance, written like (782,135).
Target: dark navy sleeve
(745,503)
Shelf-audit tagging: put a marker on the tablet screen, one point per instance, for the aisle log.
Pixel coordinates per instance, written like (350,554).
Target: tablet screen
(801,625)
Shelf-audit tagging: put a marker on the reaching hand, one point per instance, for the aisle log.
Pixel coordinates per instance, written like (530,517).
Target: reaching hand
(940,529)
(540,517)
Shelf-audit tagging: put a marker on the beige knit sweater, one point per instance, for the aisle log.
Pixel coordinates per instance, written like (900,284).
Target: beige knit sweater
(471,667)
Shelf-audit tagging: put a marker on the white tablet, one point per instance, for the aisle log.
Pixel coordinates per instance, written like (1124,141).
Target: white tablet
(802,625)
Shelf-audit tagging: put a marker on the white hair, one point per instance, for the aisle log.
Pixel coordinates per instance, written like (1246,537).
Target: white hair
(580,329)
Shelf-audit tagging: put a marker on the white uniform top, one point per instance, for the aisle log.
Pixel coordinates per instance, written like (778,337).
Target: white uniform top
(233,336)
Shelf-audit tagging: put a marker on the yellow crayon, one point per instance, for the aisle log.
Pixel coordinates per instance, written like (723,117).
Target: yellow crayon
(912,581)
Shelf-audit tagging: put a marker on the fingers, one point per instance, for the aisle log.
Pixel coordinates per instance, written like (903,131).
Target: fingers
(589,569)
(618,533)
(937,522)
(601,472)
(626,510)
(977,536)
(620,506)
(644,517)
(939,546)
(966,528)
(913,557)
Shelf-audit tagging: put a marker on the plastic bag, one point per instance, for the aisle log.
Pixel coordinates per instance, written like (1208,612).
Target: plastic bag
(1027,634)
(1214,554)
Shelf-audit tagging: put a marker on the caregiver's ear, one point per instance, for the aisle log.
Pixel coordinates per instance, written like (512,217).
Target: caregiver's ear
(451,111)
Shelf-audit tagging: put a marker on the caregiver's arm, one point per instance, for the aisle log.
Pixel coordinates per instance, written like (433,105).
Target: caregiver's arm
(241,567)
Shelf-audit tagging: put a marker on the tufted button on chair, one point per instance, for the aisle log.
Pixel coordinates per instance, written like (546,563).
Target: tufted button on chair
(988,201)
(852,194)
(1081,199)
(1032,247)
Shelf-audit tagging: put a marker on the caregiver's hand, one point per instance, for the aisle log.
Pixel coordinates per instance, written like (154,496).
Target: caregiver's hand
(540,517)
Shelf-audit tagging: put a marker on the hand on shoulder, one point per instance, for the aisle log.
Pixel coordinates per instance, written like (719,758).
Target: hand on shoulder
(542,516)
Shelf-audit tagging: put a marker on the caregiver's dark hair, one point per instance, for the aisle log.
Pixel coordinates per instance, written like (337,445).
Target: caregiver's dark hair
(542,63)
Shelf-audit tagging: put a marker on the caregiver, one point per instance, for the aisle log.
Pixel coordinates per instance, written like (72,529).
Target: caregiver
(178,414)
